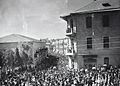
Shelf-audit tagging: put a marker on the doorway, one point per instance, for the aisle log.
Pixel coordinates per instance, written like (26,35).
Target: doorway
(106,60)
(90,60)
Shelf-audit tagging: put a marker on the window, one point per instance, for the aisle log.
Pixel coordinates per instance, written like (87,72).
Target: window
(105,21)
(71,23)
(89,43)
(88,22)
(106,4)
(106,60)
(68,30)
(106,42)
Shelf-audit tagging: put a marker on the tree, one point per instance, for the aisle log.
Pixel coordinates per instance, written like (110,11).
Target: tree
(40,55)
(18,59)
(9,58)
(1,59)
(25,58)
(45,60)
(26,54)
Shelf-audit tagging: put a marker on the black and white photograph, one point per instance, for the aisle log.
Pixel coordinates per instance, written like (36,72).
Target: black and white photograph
(59,42)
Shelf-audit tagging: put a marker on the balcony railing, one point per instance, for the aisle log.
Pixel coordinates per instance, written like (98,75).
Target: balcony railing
(69,51)
(70,31)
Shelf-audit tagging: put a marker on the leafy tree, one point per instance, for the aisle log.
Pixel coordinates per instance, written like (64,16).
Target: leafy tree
(30,60)
(1,59)
(25,58)
(9,58)
(45,60)
(40,55)
(26,47)
(18,59)
(26,54)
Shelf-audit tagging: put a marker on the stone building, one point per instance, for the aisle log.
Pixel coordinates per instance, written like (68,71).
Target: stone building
(94,31)
(58,45)
(13,41)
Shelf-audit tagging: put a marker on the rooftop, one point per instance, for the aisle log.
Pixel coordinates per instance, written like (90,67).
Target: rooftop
(97,6)
(100,5)
(16,38)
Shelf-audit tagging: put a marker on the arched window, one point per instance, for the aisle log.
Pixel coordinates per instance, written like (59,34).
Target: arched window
(106,60)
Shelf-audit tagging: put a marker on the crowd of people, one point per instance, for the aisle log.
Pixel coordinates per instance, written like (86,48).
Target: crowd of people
(102,76)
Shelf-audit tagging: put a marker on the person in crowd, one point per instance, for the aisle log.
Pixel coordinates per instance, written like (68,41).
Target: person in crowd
(54,77)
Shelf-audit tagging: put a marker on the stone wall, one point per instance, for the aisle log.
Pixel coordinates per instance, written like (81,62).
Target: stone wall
(97,32)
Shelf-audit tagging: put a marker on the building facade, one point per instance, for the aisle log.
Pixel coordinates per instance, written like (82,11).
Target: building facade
(13,41)
(58,46)
(94,31)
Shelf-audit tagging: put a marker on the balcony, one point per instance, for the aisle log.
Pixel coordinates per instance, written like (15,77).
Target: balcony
(70,31)
(69,51)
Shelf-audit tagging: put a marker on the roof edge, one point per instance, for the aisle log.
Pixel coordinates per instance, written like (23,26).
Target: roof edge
(94,11)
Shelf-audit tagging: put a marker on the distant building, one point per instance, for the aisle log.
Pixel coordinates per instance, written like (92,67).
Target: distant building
(48,44)
(60,45)
(57,45)
(94,31)
(14,41)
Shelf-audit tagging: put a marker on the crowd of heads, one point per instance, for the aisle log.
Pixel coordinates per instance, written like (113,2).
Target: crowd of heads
(96,76)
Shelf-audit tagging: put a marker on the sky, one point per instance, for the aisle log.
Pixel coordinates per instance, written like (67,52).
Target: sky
(38,19)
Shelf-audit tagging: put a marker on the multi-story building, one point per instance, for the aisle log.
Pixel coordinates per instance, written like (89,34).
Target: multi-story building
(29,45)
(60,45)
(94,31)
(57,46)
